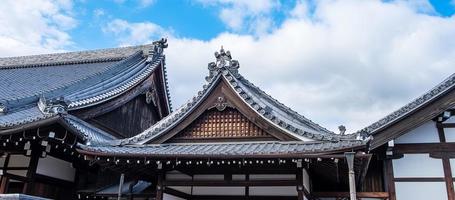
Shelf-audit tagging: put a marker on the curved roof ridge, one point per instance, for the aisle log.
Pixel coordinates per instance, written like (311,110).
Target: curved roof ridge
(76,57)
(441,88)
(285,108)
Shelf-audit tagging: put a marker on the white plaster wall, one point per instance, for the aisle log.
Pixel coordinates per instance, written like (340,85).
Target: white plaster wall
(56,168)
(219,191)
(449,133)
(426,133)
(306,180)
(18,161)
(176,175)
(421,191)
(208,177)
(274,191)
(417,165)
(272,177)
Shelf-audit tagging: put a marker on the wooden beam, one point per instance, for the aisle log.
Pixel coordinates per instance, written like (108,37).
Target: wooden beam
(176,193)
(346,194)
(232,183)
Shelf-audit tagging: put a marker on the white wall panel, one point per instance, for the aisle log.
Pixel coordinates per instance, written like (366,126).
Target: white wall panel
(420,190)
(272,177)
(306,180)
(176,175)
(274,191)
(18,161)
(426,133)
(449,134)
(417,165)
(54,167)
(208,177)
(219,191)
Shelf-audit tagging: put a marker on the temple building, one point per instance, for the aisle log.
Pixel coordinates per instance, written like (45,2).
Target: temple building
(99,125)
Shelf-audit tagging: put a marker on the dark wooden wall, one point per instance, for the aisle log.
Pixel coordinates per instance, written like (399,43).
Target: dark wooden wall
(129,119)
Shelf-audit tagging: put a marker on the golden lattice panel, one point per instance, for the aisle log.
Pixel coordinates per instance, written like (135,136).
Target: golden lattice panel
(228,123)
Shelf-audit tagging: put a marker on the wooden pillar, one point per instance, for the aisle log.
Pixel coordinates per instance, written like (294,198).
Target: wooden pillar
(448,177)
(351,173)
(247,188)
(159,186)
(120,186)
(390,184)
(30,183)
(299,180)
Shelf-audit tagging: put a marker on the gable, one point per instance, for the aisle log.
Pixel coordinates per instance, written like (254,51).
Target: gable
(222,95)
(221,124)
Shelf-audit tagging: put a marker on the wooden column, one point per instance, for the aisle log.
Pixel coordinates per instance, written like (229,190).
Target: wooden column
(159,186)
(120,186)
(30,183)
(390,184)
(351,173)
(448,177)
(299,180)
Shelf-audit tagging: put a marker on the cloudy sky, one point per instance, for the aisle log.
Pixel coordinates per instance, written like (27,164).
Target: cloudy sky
(336,62)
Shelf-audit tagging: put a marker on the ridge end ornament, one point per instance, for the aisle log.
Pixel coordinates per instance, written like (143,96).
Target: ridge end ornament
(223,63)
(157,49)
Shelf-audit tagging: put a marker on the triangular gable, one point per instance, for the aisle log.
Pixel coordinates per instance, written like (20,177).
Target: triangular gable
(222,123)
(223,101)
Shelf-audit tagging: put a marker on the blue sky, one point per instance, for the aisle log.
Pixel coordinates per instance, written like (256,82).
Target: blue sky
(186,18)
(336,62)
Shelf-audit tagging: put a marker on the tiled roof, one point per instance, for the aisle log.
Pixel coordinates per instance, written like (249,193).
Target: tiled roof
(417,103)
(88,133)
(241,149)
(78,57)
(25,116)
(79,79)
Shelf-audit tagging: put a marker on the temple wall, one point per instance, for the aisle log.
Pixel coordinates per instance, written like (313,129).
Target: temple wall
(235,190)
(419,165)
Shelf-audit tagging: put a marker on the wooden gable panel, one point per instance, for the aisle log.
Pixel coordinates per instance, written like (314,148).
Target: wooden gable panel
(227,124)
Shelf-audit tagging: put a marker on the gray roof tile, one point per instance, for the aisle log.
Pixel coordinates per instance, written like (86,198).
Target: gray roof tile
(224,149)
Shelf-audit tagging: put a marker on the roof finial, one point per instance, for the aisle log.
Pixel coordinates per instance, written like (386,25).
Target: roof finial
(224,63)
(157,49)
(342,129)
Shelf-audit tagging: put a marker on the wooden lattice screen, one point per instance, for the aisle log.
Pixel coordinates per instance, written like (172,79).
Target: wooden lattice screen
(226,124)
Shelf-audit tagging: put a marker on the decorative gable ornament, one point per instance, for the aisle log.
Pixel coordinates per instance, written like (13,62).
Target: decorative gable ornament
(224,64)
(3,109)
(52,106)
(157,49)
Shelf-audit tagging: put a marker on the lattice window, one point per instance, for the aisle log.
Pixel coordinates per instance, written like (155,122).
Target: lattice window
(228,123)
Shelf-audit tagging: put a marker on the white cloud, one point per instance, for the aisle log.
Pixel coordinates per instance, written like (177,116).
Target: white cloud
(146,3)
(31,27)
(253,16)
(348,62)
(99,12)
(134,33)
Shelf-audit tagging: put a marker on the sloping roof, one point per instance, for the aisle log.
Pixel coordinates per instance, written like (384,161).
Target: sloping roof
(237,149)
(270,109)
(42,86)
(88,133)
(436,92)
